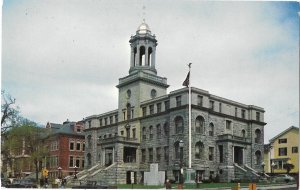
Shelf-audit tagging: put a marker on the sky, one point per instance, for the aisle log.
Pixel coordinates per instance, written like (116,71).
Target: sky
(61,59)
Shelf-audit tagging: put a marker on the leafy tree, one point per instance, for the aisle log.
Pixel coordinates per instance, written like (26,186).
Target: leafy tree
(27,139)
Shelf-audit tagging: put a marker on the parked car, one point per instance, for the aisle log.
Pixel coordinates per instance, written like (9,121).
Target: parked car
(5,182)
(22,183)
(283,178)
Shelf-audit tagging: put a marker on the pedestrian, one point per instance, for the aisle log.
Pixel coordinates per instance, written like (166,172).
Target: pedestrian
(168,184)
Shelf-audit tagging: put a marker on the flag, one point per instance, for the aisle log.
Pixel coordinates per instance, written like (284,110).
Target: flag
(186,82)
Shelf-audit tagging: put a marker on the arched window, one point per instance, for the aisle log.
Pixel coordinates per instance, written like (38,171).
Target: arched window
(199,150)
(151,132)
(166,129)
(178,151)
(158,131)
(211,129)
(199,125)
(178,125)
(128,111)
(243,133)
(144,132)
(142,55)
(89,159)
(258,157)
(257,136)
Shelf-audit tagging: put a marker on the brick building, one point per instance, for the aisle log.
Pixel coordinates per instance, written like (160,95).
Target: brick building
(149,123)
(66,144)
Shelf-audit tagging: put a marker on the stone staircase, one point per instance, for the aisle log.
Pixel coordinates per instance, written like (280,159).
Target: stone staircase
(245,173)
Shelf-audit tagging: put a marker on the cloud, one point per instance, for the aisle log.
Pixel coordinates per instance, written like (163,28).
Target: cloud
(62,59)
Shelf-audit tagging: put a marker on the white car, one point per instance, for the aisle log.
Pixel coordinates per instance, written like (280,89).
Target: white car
(284,178)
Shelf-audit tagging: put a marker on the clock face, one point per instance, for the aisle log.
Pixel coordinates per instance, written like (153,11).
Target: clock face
(153,93)
(128,93)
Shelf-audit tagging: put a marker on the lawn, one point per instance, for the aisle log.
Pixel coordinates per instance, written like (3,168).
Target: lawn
(186,186)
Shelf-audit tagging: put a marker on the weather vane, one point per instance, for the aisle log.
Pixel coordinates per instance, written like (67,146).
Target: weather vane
(144,13)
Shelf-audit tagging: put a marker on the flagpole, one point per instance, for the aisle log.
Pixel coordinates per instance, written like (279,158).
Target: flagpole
(190,120)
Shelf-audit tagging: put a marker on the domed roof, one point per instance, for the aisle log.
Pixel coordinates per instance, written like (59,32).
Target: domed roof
(143,28)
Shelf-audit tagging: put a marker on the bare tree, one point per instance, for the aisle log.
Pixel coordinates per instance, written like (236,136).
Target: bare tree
(9,112)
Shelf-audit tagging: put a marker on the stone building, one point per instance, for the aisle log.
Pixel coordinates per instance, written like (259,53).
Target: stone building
(227,136)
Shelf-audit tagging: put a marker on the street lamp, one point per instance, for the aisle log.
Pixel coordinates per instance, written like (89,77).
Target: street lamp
(263,168)
(75,168)
(59,172)
(181,144)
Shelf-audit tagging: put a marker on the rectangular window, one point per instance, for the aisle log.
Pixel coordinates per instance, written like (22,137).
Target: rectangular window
(211,153)
(282,141)
(71,161)
(167,105)
(83,146)
(151,108)
(228,125)
(158,107)
(178,101)
(243,114)
(71,145)
(158,154)
(134,133)
(144,133)
(122,133)
(211,104)
(257,116)
(116,118)
(143,155)
(295,149)
(235,112)
(77,164)
(150,150)
(124,115)
(100,120)
(166,153)
(200,101)
(144,109)
(220,107)
(78,146)
(90,124)
(221,153)
(78,129)
(132,112)
(110,119)
(282,151)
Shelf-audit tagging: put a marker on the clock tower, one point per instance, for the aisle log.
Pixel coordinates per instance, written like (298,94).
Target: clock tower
(142,83)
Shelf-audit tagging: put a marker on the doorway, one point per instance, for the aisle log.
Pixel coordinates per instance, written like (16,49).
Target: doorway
(130,177)
(238,155)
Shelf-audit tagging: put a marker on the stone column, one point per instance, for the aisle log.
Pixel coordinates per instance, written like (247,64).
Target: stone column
(132,64)
(137,57)
(153,57)
(146,56)
(233,154)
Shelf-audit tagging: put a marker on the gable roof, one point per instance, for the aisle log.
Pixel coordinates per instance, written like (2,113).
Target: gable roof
(283,132)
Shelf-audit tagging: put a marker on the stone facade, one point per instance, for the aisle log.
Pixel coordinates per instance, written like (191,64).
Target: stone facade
(149,123)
